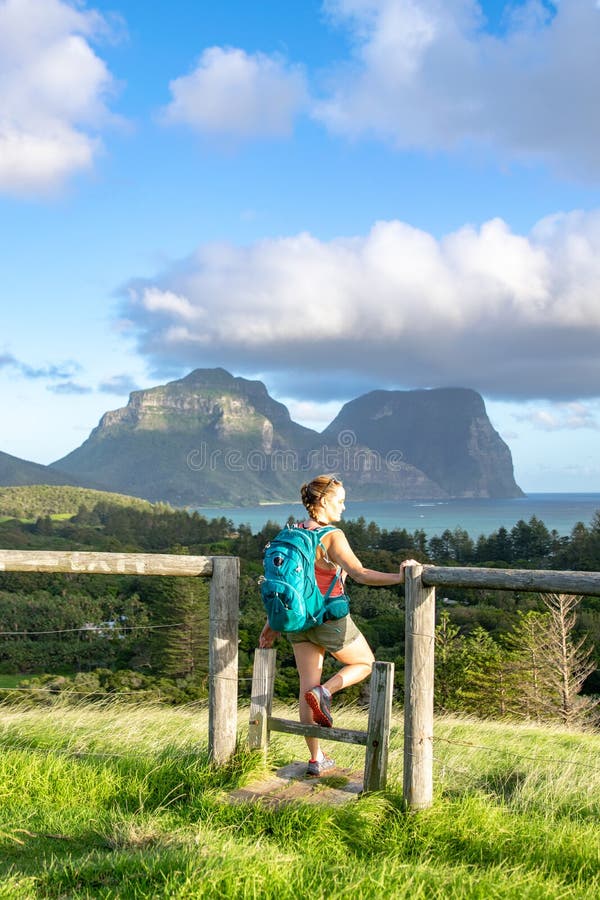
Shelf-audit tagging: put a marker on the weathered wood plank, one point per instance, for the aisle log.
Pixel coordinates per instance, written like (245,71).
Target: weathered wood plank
(104,563)
(223,658)
(378,729)
(345,735)
(586,583)
(418,687)
(261,699)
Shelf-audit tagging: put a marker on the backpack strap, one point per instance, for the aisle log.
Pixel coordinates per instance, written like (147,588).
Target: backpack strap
(322,530)
(325,529)
(334,581)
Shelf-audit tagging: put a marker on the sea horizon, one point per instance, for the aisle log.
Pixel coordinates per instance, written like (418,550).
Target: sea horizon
(558,510)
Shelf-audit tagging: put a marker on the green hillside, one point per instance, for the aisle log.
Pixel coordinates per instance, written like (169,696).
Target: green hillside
(14,470)
(31,501)
(121,802)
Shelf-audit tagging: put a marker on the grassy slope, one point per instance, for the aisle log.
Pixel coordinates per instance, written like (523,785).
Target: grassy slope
(120,802)
(35,500)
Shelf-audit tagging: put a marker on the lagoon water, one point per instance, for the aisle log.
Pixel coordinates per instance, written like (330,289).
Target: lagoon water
(557,511)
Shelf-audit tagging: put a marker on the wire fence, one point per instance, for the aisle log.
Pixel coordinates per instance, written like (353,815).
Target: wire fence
(119,628)
(444,765)
(87,628)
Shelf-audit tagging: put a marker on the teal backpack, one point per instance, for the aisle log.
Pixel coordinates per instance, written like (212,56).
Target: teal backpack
(289,590)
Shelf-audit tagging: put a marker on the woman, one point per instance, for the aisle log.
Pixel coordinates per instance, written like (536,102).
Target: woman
(324,499)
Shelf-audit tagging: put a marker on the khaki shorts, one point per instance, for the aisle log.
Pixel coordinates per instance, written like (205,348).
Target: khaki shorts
(335,635)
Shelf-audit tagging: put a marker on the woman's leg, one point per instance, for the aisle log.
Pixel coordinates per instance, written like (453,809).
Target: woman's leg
(309,661)
(358,661)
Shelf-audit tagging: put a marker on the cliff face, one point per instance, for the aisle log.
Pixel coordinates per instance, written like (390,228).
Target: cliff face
(212,438)
(207,438)
(445,433)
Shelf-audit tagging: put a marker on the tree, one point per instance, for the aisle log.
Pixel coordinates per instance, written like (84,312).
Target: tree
(449,664)
(569,660)
(526,662)
(550,664)
(179,607)
(484,691)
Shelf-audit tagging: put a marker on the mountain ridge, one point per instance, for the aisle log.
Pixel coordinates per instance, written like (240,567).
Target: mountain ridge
(214,438)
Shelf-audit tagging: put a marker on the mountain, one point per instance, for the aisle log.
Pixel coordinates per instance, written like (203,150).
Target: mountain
(207,438)
(443,433)
(212,438)
(15,471)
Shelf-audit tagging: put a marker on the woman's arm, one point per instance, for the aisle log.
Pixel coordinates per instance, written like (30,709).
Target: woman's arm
(341,553)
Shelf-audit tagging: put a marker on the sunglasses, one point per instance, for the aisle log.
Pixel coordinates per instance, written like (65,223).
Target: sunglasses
(331,481)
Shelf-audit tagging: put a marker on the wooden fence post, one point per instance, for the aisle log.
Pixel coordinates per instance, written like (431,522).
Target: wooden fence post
(223,658)
(261,700)
(378,729)
(418,684)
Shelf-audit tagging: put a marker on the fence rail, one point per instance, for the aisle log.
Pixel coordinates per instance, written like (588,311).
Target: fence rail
(73,561)
(542,580)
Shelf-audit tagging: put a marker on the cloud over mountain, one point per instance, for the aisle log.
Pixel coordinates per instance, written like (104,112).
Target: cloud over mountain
(513,316)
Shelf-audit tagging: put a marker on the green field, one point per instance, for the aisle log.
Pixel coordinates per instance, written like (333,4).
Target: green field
(11,681)
(121,802)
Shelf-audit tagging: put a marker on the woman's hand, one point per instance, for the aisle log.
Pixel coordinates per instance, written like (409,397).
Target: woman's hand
(404,564)
(267,636)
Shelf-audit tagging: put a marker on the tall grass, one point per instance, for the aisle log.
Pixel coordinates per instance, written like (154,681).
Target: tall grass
(122,802)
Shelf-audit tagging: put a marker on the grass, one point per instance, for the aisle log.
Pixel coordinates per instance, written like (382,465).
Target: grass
(11,681)
(121,802)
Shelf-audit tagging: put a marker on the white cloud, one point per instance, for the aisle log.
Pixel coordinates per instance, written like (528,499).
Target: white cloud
(427,74)
(118,384)
(234,93)
(514,316)
(313,415)
(53,89)
(561,416)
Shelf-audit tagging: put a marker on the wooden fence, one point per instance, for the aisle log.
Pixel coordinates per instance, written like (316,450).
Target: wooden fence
(421,582)
(223,572)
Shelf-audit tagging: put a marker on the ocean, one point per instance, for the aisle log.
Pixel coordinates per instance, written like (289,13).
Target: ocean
(557,511)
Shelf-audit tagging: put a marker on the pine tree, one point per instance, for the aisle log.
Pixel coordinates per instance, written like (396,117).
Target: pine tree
(569,660)
(484,690)
(449,664)
(550,664)
(180,607)
(526,663)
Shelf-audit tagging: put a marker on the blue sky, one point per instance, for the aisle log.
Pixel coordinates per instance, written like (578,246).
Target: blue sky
(329,196)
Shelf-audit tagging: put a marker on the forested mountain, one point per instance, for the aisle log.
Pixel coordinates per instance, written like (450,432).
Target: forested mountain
(211,438)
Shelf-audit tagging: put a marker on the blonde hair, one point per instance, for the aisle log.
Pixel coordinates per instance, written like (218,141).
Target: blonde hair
(314,490)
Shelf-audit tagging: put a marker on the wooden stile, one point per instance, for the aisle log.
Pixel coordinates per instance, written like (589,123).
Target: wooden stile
(378,729)
(261,700)
(375,738)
